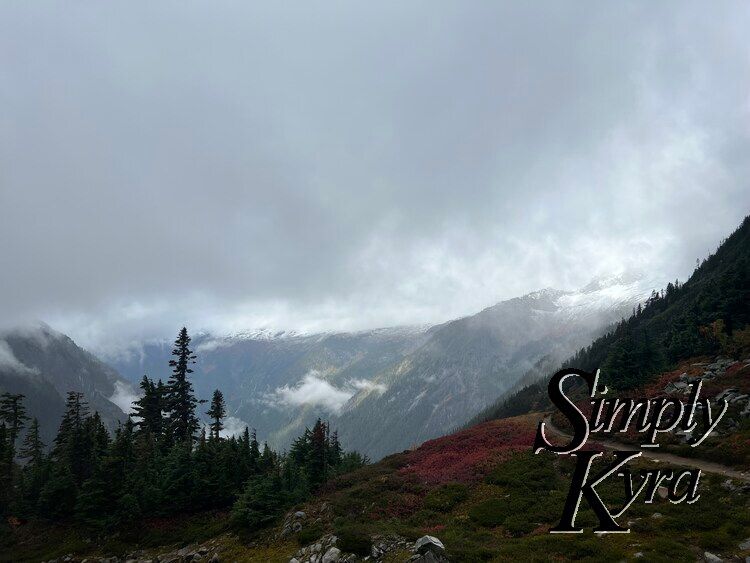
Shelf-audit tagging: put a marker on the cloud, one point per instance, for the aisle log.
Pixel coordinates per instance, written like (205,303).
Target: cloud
(233,427)
(9,362)
(124,396)
(347,167)
(366,385)
(315,391)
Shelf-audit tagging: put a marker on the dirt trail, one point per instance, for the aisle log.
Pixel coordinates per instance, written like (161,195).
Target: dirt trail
(656,455)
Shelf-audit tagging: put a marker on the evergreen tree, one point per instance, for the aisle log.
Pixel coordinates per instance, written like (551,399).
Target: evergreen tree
(32,450)
(180,400)
(260,502)
(317,454)
(71,445)
(149,408)
(217,412)
(13,414)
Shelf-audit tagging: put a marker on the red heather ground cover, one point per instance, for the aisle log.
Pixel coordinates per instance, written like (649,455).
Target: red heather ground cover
(470,454)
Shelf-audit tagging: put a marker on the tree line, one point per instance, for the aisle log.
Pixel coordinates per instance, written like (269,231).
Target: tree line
(162,461)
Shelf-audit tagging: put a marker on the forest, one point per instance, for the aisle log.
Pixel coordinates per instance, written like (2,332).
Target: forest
(161,462)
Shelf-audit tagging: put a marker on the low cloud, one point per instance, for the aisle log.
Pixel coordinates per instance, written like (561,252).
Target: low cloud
(124,397)
(314,390)
(365,385)
(233,426)
(9,362)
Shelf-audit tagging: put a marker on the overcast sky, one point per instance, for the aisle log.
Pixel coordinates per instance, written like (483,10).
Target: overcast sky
(330,165)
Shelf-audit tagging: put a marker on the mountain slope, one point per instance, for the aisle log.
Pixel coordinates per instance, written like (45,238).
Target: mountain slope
(707,315)
(44,365)
(388,389)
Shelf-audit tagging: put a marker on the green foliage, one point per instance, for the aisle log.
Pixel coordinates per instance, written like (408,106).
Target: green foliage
(260,502)
(309,534)
(353,539)
(446,497)
(154,467)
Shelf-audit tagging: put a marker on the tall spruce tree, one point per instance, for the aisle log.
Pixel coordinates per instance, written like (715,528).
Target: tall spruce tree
(149,408)
(32,450)
(180,399)
(72,446)
(13,413)
(217,412)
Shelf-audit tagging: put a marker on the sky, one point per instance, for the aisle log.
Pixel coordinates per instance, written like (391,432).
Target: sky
(349,165)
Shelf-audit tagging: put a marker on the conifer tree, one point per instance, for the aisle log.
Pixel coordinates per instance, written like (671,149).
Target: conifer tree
(180,400)
(148,409)
(13,413)
(70,446)
(32,450)
(217,412)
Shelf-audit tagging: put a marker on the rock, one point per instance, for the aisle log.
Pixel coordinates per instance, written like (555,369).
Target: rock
(727,393)
(215,558)
(332,555)
(293,560)
(638,554)
(430,544)
(656,515)
(709,557)
(663,492)
(297,526)
(745,544)
(299,514)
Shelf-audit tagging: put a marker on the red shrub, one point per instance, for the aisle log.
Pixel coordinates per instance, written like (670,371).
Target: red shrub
(468,455)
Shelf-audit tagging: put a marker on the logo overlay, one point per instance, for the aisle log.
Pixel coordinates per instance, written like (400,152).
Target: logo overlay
(650,417)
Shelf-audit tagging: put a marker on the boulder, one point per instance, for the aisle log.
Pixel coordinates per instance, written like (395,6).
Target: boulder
(429,544)
(332,555)
(299,514)
(745,545)
(709,557)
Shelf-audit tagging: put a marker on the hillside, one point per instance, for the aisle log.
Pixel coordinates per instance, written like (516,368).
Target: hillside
(708,314)
(44,365)
(478,491)
(412,384)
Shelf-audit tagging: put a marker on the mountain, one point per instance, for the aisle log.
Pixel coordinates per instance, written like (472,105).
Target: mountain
(44,365)
(707,315)
(388,389)
(473,495)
